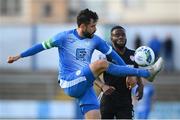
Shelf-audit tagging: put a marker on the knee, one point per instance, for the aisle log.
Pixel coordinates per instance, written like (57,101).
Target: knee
(98,67)
(101,64)
(93,114)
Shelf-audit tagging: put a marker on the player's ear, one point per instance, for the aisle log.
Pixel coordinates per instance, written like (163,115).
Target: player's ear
(83,26)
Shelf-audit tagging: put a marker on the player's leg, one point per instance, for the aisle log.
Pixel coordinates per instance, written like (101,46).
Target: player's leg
(78,83)
(80,86)
(155,69)
(100,66)
(148,73)
(107,114)
(93,114)
(142,115)
(107,107)
(89,104)
(124,114)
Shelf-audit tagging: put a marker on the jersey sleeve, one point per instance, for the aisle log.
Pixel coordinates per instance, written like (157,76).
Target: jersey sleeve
(33,50)
(103,46)
(55,41)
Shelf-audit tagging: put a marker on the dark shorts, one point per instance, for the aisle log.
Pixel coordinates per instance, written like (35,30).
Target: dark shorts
(110,108)
(120,114)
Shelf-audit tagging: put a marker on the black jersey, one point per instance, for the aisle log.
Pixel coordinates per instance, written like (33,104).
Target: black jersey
(121,97)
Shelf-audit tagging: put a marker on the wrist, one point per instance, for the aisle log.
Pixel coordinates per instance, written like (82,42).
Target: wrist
(17,57)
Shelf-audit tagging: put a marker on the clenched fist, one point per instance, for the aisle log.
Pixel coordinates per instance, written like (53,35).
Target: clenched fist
(131,81)
(12,59)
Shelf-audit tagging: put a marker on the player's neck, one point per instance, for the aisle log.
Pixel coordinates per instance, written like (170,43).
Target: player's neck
(79,31)
(120,50)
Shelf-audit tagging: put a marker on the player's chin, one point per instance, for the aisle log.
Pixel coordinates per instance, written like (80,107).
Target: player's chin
(92,35)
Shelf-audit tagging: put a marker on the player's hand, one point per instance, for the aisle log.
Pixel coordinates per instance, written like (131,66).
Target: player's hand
(107,89)
(131,81)
(139,91)
(12,59)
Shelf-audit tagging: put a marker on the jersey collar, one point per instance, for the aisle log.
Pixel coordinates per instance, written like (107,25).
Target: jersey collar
(77,35)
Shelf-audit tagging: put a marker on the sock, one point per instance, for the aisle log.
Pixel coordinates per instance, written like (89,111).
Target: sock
(118,70)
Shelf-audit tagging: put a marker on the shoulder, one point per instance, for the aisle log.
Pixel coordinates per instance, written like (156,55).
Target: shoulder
(65,32)
(69,31)
(99,41)
(97,38)
(62,35)
(129,57)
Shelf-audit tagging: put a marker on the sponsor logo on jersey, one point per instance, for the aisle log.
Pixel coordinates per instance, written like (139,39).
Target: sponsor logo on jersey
(78,72)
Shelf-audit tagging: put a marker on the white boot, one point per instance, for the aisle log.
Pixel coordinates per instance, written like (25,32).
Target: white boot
(155,69)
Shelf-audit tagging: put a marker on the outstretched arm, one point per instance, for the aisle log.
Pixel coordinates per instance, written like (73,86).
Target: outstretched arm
(50,43)
(31,51)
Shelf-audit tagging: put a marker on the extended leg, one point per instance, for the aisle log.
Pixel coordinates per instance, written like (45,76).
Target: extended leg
(118,70)
(102,65)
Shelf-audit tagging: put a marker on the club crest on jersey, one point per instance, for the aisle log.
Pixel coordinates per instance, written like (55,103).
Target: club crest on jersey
(81,54)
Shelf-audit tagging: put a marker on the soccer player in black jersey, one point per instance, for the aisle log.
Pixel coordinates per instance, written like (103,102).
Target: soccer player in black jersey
(119,103)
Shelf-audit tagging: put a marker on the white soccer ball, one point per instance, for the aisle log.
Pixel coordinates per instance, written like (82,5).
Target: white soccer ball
(144,56)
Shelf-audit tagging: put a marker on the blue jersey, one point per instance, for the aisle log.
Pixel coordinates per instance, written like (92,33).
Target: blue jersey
(75,75)
(74,51)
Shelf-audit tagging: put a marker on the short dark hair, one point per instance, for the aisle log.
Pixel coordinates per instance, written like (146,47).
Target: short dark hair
(85,16)
(117,27)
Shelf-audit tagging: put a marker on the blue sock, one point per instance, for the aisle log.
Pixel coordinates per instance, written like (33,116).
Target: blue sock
(118,70)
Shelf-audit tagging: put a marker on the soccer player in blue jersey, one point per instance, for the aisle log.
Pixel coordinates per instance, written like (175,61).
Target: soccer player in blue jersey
(76,73)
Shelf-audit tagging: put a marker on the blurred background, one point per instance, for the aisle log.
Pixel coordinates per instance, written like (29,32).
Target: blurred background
(29,88)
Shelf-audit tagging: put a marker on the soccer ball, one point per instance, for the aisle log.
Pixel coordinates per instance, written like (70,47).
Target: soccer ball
(144,56)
